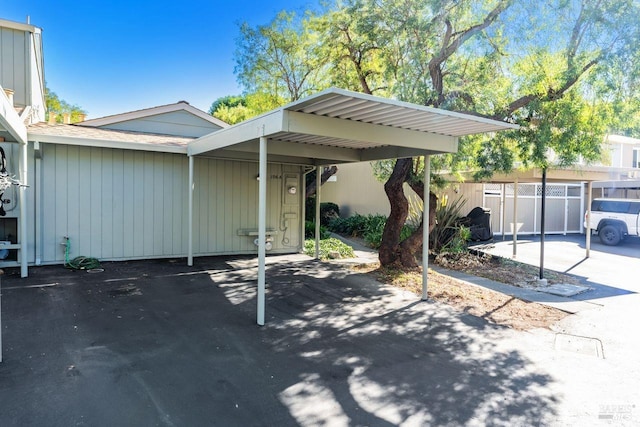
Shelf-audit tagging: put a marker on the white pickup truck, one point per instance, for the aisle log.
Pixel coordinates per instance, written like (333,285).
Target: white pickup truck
(614,219)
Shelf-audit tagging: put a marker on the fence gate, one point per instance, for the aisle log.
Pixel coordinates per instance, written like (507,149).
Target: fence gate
(565,207)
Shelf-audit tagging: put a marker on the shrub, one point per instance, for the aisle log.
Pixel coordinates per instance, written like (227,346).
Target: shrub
(327,247)
(373,229)
(449,235)
(310,230)
(367,227)
(328,211)
(352,226)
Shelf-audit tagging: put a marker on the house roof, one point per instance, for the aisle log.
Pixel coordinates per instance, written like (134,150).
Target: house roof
(147,112)
(98,137)
(337,126)
(19,26)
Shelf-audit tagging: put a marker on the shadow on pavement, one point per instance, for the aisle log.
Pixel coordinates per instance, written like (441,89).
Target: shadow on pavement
(159,343)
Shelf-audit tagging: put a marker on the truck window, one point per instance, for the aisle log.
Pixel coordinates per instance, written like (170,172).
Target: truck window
(616,207)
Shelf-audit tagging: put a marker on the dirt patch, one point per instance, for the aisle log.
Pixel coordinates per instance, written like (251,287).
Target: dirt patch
(493,306)
(501,269)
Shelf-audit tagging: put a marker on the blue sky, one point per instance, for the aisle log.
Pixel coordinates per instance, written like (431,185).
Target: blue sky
(118,56)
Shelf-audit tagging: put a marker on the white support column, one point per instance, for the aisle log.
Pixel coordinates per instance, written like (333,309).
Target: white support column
(515,218)
(317,231)
(37,189)
(190,214)
(425,228)
(24,253)
(503,217)
(588,218)
(262,228)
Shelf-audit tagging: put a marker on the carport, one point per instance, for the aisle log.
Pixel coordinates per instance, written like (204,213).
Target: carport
(333,127)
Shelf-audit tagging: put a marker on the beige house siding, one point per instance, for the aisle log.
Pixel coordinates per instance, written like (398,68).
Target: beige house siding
(123,204)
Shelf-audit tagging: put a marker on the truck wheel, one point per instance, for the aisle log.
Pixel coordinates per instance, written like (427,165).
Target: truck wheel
(609,235)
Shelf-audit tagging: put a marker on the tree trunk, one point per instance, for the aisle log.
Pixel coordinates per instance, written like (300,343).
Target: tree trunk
(326,174)
(389,247)
(412,244)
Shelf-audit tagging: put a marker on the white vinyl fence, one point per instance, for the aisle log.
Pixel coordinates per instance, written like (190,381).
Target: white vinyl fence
(564,208)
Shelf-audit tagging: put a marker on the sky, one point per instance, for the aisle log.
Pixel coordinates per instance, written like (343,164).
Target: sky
(124,55)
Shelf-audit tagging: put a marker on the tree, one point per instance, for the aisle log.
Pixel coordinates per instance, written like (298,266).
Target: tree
(59,106)
(281,59)
(546,68)
(234,109)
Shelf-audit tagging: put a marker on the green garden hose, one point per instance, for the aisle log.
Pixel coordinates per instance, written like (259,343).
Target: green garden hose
(80,262)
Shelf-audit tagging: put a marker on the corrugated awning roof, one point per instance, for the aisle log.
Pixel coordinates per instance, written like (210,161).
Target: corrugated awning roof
(337,126)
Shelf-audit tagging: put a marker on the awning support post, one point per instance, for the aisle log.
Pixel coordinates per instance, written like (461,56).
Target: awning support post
(425,228)
(317,231)
(588,218)
(515,218)
(190,215)
(24,253)
(262,228)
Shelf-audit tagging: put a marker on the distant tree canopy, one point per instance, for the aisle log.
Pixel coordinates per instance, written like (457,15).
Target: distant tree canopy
(59,106)
(234,109)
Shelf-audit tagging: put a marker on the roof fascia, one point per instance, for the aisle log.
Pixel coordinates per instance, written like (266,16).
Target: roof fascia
(105,143)
(19,26)
(264,125)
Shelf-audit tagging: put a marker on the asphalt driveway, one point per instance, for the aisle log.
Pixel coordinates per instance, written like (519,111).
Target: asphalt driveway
(159,343)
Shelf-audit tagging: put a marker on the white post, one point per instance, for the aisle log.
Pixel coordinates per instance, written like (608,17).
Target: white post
(24,255)
(588,218)
(425,228)
(503,217)
(515,217)
(317,231)
(262,227)
(190,214)
(0,317)
(37,189)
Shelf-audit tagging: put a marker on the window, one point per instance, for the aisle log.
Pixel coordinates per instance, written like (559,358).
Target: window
(636,158)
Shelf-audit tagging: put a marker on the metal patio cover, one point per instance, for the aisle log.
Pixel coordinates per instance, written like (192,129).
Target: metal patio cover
(332,127)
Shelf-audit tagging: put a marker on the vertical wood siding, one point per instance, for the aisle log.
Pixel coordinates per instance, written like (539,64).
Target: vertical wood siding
(119,204)
(14,62)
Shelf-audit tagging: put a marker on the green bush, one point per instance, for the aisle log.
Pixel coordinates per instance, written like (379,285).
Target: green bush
(373,230)
(328,246)
(367,227)
(310,230)
(449,235)
(352,226)
(328,211)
